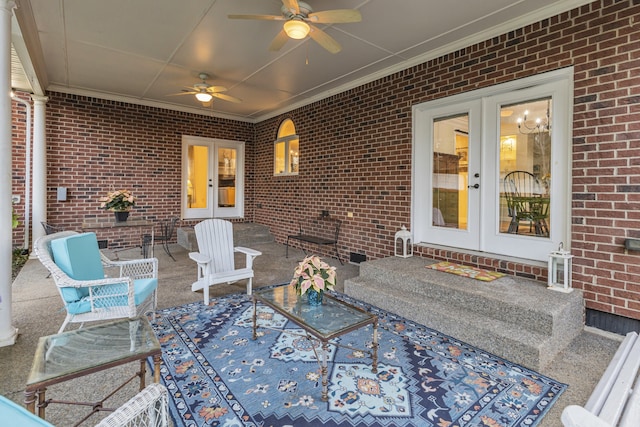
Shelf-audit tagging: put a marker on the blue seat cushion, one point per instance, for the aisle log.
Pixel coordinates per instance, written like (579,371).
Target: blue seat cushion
(79,257)
(114,295)
(13,414)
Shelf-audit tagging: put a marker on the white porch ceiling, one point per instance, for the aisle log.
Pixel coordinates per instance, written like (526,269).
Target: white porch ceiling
(141,51)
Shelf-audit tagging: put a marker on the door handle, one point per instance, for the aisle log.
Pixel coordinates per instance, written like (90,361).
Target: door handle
(474,186)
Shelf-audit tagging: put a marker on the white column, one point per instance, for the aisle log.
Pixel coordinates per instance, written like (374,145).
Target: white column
(39,181)
(8,333)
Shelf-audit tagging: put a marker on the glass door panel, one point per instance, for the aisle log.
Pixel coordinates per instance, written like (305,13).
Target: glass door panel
(226,177)
(525,167)
(198,179)
(450,172)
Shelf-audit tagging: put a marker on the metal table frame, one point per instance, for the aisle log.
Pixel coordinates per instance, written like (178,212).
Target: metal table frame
(313,333)
(42,375)
(134,223)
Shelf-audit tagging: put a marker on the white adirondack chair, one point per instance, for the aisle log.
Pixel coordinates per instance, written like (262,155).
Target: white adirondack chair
(215,260)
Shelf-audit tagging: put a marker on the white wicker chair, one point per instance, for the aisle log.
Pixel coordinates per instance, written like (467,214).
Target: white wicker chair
(107,298)
(149,408)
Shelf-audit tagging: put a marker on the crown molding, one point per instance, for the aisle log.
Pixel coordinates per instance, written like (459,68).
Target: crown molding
(137,101)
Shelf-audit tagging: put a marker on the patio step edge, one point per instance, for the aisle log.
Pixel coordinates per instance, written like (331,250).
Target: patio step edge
(445,308)
(509,298)
(244,234)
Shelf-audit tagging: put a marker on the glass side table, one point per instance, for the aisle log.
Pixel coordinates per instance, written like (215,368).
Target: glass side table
(68,355)
(324,322)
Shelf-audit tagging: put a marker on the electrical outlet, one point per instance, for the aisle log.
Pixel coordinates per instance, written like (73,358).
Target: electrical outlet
(349,214)
(15,198)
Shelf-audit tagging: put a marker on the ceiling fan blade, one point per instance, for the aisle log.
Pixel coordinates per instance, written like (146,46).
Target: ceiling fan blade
(278,41)
(324,40)
(226,97)
(182,93)
(292,5)
(214,89)
(260,17)
(338,16)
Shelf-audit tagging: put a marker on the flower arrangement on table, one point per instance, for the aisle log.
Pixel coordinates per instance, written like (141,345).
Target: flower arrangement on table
(314,276)
(118,201)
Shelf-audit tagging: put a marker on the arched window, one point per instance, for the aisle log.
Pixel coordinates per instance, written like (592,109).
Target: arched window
(285,150)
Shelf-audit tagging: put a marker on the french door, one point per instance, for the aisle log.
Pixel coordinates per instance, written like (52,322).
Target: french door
(491,169)
(212,178)
(450,156)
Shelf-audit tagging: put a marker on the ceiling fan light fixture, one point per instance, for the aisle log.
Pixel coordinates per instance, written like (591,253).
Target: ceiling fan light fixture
(296,29)
(203,96)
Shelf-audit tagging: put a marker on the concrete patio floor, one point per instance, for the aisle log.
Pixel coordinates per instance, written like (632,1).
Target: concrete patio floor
(38,311)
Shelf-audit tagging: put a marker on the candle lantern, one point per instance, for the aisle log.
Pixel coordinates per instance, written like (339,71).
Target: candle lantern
(403,245)
(559,274)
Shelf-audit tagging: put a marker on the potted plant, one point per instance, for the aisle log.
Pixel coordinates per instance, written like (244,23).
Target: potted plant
(120,202)
(313,277)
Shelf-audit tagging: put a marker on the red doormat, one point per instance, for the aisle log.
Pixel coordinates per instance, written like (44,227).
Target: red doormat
(466,271)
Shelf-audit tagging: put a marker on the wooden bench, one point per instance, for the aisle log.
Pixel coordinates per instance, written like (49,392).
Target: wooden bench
(322,231)
(615,402)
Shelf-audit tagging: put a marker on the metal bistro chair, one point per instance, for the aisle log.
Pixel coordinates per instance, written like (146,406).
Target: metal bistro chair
(50,229)
(525,202)
(167,227)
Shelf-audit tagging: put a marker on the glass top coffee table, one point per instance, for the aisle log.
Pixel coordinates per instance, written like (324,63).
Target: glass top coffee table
(324,322)
(73,354)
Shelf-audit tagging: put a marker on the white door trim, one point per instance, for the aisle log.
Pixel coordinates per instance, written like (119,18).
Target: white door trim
(559,84)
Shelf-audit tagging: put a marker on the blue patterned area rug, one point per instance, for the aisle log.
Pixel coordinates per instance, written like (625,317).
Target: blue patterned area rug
(218,376)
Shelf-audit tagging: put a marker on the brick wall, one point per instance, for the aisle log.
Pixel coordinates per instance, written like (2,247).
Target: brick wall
(355,149)
(606,158)
(95,145)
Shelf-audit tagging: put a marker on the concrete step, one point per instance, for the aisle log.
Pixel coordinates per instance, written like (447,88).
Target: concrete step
(244,234)
(514,318)
(249,233)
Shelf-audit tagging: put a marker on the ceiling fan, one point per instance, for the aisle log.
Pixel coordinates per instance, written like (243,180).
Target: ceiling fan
(205,92)
(299,19)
